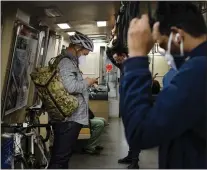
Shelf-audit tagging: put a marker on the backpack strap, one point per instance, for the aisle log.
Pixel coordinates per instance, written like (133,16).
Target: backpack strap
(53,63)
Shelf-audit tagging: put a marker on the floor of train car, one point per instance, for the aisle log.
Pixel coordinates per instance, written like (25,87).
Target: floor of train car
(115,147)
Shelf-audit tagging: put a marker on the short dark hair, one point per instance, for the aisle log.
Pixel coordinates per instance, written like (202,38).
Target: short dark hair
(184,15)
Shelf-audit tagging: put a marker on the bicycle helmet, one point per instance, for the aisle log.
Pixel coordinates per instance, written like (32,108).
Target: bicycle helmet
(82,40)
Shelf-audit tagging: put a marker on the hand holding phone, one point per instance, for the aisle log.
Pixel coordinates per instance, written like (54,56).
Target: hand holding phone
(96,80)
(92,81)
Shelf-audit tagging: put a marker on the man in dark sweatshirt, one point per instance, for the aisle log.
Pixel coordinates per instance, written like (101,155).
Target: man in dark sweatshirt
(168,77)
(117,59)
(177,121)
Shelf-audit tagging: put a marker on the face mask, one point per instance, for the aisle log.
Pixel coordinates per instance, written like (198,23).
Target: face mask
(168,56)
(161,51)
(82,60)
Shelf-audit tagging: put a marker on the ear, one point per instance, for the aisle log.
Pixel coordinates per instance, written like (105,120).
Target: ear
(178,35)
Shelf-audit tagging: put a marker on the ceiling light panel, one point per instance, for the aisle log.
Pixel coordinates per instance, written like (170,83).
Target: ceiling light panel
(63,26)
(71,33)
(101,23)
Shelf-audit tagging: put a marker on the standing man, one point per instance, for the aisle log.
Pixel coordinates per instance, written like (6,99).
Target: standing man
(66,132)
(168,77)
(131,158)
(177,121)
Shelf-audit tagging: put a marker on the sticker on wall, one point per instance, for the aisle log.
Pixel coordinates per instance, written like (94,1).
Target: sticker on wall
(109,67)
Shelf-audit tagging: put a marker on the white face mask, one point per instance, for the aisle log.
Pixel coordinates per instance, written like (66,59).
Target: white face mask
(82,60)
(168,56)
(161,51)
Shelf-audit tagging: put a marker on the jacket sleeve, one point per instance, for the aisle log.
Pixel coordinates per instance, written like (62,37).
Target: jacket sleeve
(69,73)
(173,113)
(163,81)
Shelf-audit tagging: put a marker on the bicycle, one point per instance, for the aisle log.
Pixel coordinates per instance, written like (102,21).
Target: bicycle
(32,117)
(28,159)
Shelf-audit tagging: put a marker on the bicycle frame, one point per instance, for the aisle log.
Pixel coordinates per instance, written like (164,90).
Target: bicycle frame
(17,148)
(17,137)
(35,139)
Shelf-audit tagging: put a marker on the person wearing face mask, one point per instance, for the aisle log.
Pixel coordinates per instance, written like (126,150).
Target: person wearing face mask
(132,158)
(176,123)
(66,132)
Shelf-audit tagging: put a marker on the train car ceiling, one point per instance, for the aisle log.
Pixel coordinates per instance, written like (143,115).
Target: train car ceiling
(80,16)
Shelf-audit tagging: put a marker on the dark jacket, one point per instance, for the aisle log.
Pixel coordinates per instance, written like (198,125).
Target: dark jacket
(168,77)
(177,121)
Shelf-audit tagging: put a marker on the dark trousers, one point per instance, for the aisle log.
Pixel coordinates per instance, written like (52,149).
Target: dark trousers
(134,155)
(65,137)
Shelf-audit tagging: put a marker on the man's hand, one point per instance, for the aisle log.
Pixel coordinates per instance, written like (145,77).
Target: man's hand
(157,37)
(91,81)
(140,39)
(119,58)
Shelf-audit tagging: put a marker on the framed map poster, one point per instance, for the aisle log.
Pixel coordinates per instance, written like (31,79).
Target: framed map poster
(25,50)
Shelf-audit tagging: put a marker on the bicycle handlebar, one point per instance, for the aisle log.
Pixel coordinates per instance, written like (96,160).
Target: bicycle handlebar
(34,108)
(23,125)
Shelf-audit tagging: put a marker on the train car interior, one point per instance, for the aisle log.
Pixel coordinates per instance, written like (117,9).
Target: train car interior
(36,39)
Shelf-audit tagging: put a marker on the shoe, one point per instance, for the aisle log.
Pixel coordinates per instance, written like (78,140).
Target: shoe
(100,148)
(133,165)
(91,152)
(126,160)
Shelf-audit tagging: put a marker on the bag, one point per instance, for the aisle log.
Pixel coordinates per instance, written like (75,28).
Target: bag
(56,100)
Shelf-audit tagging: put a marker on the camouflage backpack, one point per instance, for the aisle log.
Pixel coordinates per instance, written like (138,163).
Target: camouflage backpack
(56,100)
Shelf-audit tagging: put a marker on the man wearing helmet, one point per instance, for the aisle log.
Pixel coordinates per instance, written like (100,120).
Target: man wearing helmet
(66,132)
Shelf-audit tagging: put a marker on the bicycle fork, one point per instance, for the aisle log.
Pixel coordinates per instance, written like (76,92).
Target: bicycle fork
(32,156)
(17,150)
(36,140)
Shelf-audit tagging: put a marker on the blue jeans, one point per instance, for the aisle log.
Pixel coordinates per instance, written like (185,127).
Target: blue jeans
(65,137)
